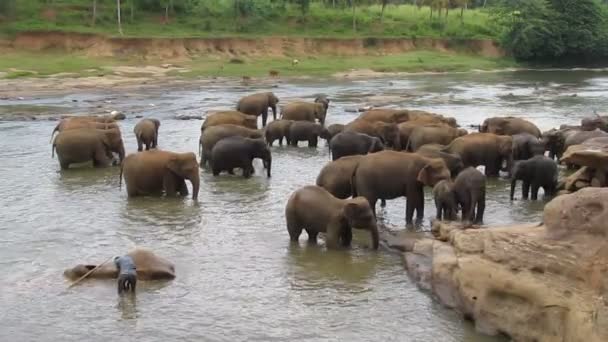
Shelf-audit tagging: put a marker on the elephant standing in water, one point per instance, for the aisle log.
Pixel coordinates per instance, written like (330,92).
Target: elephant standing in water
(509,126)
(468,190)
(352,143)
(387,132)
(486,149)
(212,135)
(392,174)
(238,152)
(277,130)
(305,111)
(156,172)
(230,117)
(539,171)
(315,210)
(258,104)
(307,131)
(146,133)
(83,145)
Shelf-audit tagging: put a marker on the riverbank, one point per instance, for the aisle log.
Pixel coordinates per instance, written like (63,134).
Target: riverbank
(58,54)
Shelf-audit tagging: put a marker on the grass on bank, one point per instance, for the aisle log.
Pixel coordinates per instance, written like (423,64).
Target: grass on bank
(217,19)
(23,64)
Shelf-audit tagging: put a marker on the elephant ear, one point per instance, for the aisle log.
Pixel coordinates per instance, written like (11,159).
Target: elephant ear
(351,209)
(174,165)
(431,172)
(424,176)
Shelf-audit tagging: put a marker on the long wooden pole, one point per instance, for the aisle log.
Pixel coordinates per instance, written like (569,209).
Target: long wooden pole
(89,273)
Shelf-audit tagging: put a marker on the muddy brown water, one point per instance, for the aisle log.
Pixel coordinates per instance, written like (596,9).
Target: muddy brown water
(238,277)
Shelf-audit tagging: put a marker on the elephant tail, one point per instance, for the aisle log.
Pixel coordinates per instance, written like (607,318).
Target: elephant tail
(120,177)
(408,145)
(56,129)
(53,150)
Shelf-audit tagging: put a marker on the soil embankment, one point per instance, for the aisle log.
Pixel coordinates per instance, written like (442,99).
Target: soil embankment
(182,48)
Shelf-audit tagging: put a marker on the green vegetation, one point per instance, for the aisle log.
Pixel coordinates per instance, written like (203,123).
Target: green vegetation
(202,18)
(21,64)
(555,31)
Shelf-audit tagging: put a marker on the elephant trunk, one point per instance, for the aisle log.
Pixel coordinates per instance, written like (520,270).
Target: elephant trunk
(121,152)
(375,236)
(196,182)
(274,111)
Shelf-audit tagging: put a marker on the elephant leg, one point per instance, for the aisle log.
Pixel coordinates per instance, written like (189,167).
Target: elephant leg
(534,194)
(410,206)
(182,187)
(247,168)
(440,209)
(382,203)
(346,235)
(419,203)
(215,171)
(101,159)
(280,141)
(264,117)
(312,142)
(525,190)
(294,228)
(332,235)
(481,207)
(466,208)
(312,236)
(170,184)
(140,145)
(155,141)
(148,146)
(64,164)
(231,172)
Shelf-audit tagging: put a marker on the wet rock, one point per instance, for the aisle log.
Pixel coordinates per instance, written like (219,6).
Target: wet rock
(188,117)
(531,282)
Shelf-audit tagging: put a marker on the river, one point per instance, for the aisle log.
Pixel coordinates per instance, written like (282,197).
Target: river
(238,277)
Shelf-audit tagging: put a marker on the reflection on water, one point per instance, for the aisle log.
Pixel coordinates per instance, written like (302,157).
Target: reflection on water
(238,276)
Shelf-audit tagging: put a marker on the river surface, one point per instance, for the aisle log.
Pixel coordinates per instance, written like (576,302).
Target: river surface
(238,277)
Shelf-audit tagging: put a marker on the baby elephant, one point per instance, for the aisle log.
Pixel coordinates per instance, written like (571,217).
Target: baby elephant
(353,143)
(468,190)
(239,152)
(538,171)
(307,131)
(146,132)
(315,210)
(277,130)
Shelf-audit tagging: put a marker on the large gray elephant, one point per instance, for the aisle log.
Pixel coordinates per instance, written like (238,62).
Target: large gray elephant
(157,172)
(387,132)
(392,174)
(78,122)
(213,134)
(277,130)
(238,152)
(258,104)
(335,176)
(307,131)
(433,134)
(352,143)
(487,149)
(315,210)
(146,133)
(305,111)
(509,126)
(334,129)
(453,161)
(526,146)
(83,145)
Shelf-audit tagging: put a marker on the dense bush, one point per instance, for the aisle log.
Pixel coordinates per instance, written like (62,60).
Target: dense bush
(555,31)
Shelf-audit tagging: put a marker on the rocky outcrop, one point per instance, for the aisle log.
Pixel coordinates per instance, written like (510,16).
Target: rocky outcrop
(532,282)
(592,157)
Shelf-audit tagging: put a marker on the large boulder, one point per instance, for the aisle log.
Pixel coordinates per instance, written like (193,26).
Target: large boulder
(533,282)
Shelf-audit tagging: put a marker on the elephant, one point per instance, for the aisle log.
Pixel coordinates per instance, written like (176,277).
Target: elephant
(146,132)
(432,118)
(149,266)
(526,146)
(305,111)
(554,140)
(351,143)
(595,122)
(257,104)
(83,145)
(230,117)
(335,129)
(453,161)
(78,123)
(387,132)
(155,172)
(213,134)
(335,176)
(392,174)
(307,131)
(433,134)
(470,191)
(508,126)
(323,100)
(538,171)
(239,152)
(277,130)
(315,210)
(487,149)
(386,115)
(445,200)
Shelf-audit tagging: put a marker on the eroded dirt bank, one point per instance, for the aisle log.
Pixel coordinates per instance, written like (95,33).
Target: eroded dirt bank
(532,282)
(178,48)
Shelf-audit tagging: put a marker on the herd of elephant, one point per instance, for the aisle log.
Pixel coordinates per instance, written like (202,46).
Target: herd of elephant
(383,154)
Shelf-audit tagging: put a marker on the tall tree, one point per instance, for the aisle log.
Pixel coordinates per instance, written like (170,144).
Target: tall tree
(354,6)
(384,3)
(94,12)
(118,17)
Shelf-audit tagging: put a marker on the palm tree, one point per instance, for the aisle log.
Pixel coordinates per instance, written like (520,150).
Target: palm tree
(118,17)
